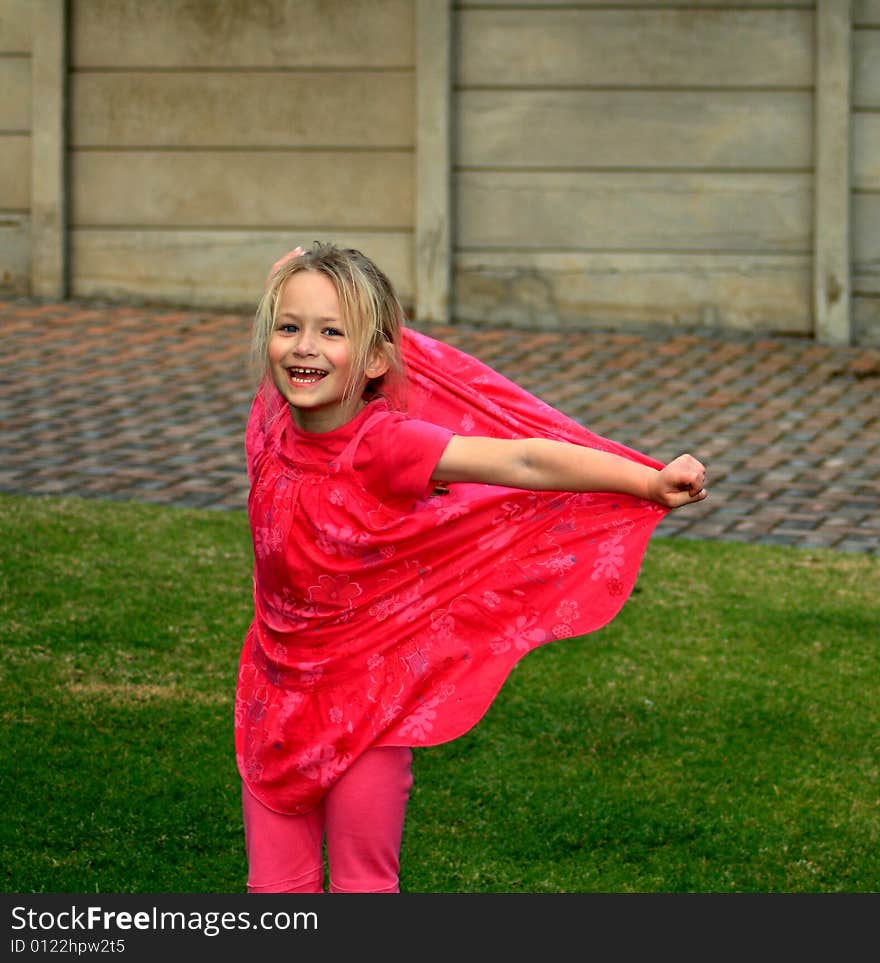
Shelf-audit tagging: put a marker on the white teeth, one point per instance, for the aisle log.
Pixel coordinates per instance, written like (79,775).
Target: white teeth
(305,376)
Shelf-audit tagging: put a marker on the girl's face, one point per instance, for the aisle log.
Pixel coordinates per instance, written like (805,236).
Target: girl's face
(310,355)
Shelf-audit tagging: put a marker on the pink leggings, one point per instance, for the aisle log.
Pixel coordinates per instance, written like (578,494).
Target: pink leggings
(362,815)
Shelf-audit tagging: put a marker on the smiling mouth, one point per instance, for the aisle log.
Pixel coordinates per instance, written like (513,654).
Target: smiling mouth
(305,376)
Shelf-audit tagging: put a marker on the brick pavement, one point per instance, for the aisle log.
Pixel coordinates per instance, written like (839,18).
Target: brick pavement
(127,402)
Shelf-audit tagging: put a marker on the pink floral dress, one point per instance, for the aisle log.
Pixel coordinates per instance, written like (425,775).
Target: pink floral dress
(387,613)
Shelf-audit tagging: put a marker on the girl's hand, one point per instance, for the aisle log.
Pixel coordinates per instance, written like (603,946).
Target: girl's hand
(280,263)
(681,482)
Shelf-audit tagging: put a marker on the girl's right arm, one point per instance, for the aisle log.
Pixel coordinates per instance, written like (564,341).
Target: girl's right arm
(539,464)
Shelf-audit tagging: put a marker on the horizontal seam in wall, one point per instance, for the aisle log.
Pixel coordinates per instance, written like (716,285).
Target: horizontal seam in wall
(638,88)
(726,252)
(15,133)
(589,7)
(623,169)
(249,228)
(220,149)
(242,69)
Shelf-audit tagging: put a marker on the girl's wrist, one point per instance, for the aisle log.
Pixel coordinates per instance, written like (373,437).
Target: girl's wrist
(652,487)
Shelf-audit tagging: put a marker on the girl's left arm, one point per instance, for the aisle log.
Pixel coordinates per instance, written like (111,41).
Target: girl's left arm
(539,464)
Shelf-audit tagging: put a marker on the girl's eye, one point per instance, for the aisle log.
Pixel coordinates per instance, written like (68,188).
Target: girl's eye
(288,328)
(334,332)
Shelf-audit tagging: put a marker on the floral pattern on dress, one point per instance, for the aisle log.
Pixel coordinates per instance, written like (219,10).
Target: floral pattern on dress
(334,593)
(322,763)
(419,724)
(522,635)
(268,540)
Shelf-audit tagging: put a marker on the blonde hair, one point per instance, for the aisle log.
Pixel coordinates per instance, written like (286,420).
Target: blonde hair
(369,305)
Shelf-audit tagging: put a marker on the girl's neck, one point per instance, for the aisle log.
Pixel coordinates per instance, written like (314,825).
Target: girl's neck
(322,420)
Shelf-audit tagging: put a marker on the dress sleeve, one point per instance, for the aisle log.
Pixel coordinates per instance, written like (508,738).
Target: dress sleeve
(398,455)
(255,433)
(263,422)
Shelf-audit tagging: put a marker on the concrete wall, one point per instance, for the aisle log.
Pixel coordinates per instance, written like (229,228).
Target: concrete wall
(635,164)
(15,146)
(866,171)
(541,163)
(207,138)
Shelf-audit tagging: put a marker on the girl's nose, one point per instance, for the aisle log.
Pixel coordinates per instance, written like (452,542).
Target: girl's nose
(305,344)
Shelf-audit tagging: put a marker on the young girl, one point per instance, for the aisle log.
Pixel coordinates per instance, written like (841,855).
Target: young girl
(419,524)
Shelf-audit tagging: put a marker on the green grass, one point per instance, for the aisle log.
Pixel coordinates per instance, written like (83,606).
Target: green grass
(721,735)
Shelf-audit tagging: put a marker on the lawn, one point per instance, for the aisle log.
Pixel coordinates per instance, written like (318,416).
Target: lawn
(721,735)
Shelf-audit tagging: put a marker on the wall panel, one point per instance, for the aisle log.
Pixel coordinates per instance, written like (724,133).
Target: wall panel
(15,172)
(210,267)
(15,146)
(635,47)
(14,252)
(228,34)
(537,289)
(866,171)
(634,128)
(634,211)
(15,101)
(241,189)
(242,109)
(15,26)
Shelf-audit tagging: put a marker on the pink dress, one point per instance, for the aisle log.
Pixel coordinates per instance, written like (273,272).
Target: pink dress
(389,614)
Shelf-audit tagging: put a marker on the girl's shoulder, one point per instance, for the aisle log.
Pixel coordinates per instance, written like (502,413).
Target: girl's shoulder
(396,454)
(390,433)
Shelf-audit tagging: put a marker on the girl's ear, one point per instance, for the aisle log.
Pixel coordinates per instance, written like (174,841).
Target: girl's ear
(378,365)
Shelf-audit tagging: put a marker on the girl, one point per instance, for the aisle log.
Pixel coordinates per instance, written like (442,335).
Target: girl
(419,524)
